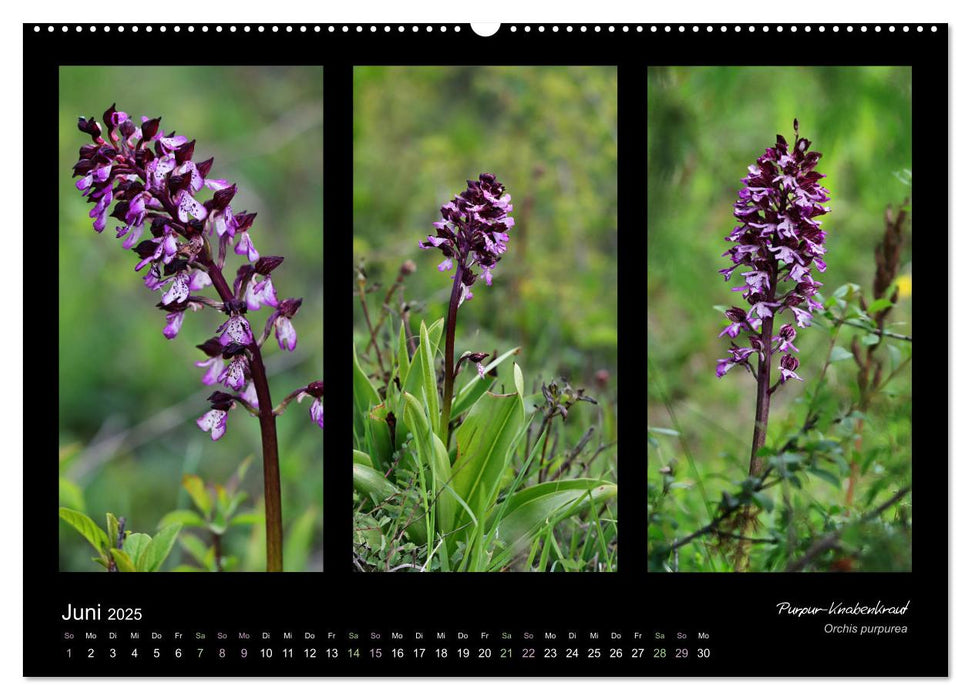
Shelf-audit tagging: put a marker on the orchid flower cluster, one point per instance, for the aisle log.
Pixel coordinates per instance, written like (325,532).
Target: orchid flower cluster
(473,231)
(778,240)
(181,234)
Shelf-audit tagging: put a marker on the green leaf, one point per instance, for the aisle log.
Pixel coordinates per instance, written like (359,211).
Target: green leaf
(159,548)
(195,547)
(484,443)
(372,484)
(362,458)
(848,289)
(839,353)
(251,518)
(234,503)
(826,476)
(870,339)
(196,489)
(429,384)
(298,541)
(243,468)
(123,561)
(185,518)
(365,396)
(534,508)
(764,500)
(404,360)
(432,452)
(435,334)
(377,437)
(113,527)
(135,546)
(70,494)
(517,375)
(664,431)
(879,305)
(471,392)
(85,525)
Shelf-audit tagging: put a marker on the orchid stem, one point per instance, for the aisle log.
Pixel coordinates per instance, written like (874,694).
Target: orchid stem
(271,457)
(453,309)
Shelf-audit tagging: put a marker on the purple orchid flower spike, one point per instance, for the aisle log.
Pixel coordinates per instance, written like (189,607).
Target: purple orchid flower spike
(473,231)
(180,223)
(472,236)
(776,242)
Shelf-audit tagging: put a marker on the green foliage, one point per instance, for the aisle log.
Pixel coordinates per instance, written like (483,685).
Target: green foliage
(216,511)
(128,398)
(138,552)
(841,446)
(469,509)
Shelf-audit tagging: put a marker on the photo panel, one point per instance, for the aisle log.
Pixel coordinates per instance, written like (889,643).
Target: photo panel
(189,402)
(779,318)
(485,318)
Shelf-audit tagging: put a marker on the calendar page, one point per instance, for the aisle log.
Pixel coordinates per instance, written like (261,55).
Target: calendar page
(541,350)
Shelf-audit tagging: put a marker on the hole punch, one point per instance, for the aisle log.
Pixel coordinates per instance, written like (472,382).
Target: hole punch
(485,28)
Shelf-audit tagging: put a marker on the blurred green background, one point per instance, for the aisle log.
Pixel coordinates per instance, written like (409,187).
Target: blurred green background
(128,398)
(705,126)
(549,135)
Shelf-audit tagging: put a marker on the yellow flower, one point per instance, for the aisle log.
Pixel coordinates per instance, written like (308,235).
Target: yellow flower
(905,284)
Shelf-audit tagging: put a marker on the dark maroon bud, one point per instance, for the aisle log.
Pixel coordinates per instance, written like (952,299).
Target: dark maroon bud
(220,400)
(243,274)
(234,306)
(194,228)
(143,157)
(204,167)
(177,265)
(735,314)
(120,210)
(82,167)
(244,220)
(268,263)
(89,126)
(223,197)
(289,307)
(109,116)
(243,271)
(127,189)
(88,150)
(468,277)
(159,151)
(795,125)
(150,128)
(477,356)
(126,128)
(145,249)
(179,182)
(174,306)
(232,350)
(158,226)
(315,389)
(185,151)
(211,347)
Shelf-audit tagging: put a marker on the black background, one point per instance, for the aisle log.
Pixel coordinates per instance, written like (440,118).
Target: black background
(746,635)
